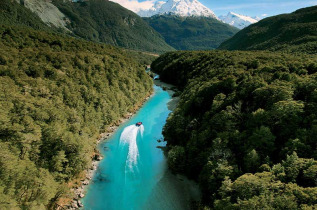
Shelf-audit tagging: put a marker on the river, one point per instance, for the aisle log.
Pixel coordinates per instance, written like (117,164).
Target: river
(134,173)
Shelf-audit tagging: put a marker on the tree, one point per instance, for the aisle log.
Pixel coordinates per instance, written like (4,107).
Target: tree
(262,140)
(176,159)
(252,161)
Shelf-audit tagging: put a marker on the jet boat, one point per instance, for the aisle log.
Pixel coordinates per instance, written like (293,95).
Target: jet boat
(138,124)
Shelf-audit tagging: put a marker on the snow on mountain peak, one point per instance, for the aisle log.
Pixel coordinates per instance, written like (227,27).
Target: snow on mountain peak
(178,7)
(237,20)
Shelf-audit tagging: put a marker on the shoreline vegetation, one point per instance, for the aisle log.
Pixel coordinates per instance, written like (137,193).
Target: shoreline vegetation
(171,89)
(187,189)
(41,74)
(245,127)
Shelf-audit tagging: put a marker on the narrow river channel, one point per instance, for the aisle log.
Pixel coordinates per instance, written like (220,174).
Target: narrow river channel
(133,173)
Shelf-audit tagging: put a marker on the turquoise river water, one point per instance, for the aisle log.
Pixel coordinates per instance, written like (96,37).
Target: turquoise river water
(133,173)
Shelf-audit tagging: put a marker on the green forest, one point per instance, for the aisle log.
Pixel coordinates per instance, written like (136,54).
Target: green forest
(57,95)
(294,32)
(245,127)
(191,33)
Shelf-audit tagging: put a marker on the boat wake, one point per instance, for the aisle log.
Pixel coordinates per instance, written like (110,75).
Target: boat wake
(129,138)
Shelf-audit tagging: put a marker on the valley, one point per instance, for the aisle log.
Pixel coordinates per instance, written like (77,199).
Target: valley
(191,33)
(220,111)
(134,172)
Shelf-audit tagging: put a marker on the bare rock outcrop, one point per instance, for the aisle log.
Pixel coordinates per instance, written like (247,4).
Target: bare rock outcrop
(47,11)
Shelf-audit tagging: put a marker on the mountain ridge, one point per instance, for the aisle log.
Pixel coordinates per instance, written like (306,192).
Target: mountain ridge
(238,20)
(291,32)
(47,12)
(94,20)
(110,23)
(182,8)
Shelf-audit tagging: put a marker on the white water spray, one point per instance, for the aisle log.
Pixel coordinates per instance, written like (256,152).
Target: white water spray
(129,136)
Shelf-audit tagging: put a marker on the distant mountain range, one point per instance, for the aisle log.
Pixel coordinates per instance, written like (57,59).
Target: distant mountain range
(237,20)
(295,32)
(193,8)
(178,7)
(174,24)
(187,24)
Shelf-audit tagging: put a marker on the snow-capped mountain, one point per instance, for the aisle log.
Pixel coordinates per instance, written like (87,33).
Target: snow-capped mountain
(152,11)
(239,21)
(178,7)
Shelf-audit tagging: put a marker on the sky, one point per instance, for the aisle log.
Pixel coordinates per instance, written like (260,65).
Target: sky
(260,8)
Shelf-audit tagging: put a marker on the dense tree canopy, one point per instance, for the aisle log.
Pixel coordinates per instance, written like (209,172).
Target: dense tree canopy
(56,95)
(245,127)
(191,33)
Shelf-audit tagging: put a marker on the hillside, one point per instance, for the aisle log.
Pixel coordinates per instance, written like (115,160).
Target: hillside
(288,32)
(57,95)
(245,127)
(108,22)
(191,33)
(12,13)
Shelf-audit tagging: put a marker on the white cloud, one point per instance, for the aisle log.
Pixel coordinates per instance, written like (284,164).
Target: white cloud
(264,15)
(135,5)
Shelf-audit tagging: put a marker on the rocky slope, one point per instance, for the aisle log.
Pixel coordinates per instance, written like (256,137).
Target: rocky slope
(94,20)
(47,11)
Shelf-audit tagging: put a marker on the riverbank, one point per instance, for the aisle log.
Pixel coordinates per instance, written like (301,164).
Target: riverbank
(79,190)
(170,89)
(178,187)
(113,186)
